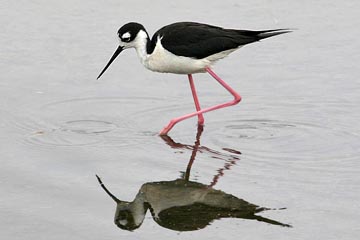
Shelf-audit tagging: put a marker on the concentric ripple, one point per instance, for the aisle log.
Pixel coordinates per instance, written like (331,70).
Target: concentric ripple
(88,127)
(259,129)
(275,139)
(72,133)
(101,121)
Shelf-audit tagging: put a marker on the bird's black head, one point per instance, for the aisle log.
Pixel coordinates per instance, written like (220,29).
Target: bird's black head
(128,36)
(128,32)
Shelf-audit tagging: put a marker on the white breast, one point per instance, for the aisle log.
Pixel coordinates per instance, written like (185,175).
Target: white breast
(162,60)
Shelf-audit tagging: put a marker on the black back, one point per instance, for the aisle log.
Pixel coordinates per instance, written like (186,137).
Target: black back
(196,40)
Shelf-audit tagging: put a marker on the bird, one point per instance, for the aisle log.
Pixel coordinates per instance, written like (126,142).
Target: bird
(183,205)
(187,48)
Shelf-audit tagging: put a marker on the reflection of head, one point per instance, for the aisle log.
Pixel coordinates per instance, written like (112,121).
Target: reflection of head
(126,218)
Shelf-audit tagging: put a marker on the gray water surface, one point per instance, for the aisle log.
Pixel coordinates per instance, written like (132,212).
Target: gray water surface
(291,146)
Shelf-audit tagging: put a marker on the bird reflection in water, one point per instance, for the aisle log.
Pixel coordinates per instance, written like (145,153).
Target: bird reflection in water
(184,205)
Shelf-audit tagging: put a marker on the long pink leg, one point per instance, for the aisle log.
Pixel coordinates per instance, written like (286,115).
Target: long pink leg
(196,100)
(237,99)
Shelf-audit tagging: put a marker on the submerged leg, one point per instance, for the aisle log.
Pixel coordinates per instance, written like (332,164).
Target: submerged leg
(196,100)
(236,100)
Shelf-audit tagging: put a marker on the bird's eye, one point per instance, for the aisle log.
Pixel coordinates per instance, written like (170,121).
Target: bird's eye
(126,37)
(123,215)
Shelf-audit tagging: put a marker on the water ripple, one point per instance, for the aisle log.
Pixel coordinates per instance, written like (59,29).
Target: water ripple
(88,121)
(277,139)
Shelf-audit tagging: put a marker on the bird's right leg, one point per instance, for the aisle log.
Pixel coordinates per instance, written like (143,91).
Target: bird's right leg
(196,100)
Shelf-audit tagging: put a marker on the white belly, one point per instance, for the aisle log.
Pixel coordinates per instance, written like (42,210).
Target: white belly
(162,60)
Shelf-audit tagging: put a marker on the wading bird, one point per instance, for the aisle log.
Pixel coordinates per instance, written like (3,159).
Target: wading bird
(187,48)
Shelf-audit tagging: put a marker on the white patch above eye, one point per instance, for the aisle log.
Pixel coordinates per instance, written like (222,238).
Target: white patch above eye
(126,35)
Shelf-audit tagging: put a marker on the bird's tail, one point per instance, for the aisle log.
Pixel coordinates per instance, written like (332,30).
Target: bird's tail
(270,33)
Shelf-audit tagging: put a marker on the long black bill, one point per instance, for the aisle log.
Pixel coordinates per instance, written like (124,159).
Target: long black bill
(116,53)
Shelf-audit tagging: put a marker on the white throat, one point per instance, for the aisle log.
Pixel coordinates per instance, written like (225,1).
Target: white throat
(140,43)
(138,209)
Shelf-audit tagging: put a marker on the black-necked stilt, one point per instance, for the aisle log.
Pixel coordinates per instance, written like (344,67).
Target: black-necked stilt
(187,48)
(183,205)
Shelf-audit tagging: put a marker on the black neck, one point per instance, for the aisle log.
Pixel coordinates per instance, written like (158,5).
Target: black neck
(150,44)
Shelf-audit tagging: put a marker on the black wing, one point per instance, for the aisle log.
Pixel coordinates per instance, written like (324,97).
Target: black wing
(198,40)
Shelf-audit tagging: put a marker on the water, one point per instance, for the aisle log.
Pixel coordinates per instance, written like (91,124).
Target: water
(292,145)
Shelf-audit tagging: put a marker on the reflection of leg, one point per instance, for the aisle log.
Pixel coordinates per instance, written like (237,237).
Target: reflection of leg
(196,100)
(194,151)
(237,99)
(221,172)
